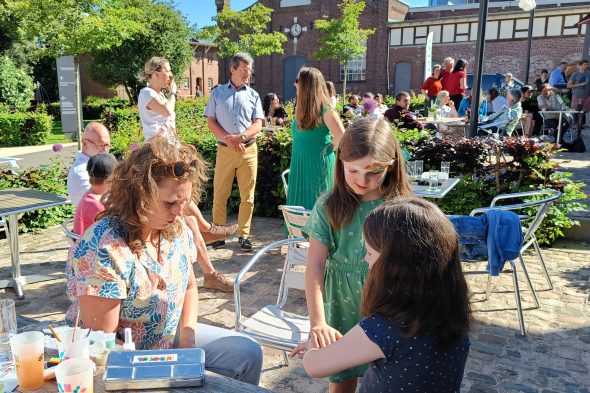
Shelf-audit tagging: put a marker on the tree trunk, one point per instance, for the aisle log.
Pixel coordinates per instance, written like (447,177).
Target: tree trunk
(79,120)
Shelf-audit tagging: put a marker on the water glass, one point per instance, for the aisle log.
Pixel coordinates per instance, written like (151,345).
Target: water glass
(7,328)
(28,350)
(411,169)
(445,170)
(419,168)
(433,181)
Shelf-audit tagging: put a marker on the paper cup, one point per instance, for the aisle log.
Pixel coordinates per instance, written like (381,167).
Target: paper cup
(28,353)
(77,349)
(75,376)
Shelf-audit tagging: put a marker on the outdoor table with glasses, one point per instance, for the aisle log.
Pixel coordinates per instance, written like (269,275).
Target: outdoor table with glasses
(433,183)
(15,201)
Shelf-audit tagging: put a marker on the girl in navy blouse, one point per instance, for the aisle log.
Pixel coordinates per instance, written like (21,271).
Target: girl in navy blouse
(415,302)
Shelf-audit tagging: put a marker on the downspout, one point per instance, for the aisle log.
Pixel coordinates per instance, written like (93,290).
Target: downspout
(388,56)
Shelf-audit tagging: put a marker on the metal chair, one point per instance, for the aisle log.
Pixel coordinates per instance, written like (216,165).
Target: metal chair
(540,204)
(273,326)
(66,227)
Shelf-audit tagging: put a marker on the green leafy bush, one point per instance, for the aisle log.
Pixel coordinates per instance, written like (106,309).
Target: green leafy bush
(24,129)
(51,178)
(16,86)
(93,107)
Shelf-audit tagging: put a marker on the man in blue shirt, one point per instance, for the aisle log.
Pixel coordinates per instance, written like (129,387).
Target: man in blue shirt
(556,78)
(234,115)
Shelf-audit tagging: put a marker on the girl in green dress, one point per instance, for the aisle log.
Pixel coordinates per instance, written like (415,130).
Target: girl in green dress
(369,169)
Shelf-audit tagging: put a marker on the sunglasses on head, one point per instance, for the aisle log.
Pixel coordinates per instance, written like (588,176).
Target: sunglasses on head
(179,168)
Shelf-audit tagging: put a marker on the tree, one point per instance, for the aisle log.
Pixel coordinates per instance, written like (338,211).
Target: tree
(342,38)
(243,31)
(165,33)
(16,87)
(75,27)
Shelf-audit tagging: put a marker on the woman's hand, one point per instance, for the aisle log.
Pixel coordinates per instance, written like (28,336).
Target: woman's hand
(323,335)
(172,87)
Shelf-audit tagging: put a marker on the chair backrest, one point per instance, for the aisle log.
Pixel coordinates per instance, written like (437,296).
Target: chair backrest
(539,199)
(294,268)
(66,227)
(284,179)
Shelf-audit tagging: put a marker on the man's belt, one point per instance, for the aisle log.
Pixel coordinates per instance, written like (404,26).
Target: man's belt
(246,143)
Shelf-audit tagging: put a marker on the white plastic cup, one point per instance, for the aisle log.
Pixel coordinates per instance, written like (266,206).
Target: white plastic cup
(28,352)
(75,375)
(79,348)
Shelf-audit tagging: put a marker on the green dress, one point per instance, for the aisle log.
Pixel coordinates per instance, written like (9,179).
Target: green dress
(312,165)
(346,270)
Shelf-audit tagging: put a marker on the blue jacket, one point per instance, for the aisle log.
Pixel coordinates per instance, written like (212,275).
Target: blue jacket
(496,236)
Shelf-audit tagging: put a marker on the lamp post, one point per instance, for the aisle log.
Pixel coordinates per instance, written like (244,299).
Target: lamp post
(528,5)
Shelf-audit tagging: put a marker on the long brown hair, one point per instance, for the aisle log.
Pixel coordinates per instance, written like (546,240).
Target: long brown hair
(134,191)
(366,137)
(417,279)
(312,96)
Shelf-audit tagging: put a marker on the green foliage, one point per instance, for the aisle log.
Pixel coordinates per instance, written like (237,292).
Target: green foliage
(93,107)
(244,31)
(24,129)
(51,178)
(125,129)
(165,32)
(342,38)
(16,87)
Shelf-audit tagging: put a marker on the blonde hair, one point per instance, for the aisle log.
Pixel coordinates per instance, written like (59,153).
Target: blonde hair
(152,65)
(134,190)
(366,137)
(312,96)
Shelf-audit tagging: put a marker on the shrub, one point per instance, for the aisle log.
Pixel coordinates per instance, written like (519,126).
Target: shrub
(93,107)
(51,178)
(16,86)
(24,129)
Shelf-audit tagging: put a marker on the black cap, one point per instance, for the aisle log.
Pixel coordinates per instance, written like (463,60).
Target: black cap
(526,88)
(101,165)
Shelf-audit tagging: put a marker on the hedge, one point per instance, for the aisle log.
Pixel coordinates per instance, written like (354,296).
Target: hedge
(24,129)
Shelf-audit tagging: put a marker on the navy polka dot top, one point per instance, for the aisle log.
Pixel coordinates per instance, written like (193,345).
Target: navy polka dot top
(415,364)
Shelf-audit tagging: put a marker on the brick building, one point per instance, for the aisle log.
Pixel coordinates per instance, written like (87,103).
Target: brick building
(395,53)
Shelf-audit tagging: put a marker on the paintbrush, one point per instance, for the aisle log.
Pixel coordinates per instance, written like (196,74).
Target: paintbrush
(91,326)
(76,324)
(54,333)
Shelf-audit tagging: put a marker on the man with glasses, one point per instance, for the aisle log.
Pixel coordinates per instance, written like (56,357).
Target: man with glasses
(234,115)
(95,140)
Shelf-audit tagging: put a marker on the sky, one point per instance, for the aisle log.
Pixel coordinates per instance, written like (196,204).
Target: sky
(200,12)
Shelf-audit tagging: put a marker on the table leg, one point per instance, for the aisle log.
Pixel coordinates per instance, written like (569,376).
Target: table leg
(559,130)
(14,282)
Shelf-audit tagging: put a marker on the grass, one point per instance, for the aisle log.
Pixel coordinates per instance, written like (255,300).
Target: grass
(57,134)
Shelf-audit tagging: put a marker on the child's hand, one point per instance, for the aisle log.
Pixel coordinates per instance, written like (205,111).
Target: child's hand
(323,335)
(300,350)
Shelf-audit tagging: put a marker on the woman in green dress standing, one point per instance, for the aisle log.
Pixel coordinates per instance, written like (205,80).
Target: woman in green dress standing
(317,129)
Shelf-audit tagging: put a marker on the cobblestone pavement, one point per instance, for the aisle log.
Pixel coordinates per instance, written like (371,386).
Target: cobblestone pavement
(553,357)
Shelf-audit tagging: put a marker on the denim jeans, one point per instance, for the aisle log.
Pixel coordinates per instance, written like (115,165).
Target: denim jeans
(230,353)
(472,232)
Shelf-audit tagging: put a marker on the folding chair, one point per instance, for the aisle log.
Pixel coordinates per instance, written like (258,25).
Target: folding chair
(273,326)
(531,223)
(66,227)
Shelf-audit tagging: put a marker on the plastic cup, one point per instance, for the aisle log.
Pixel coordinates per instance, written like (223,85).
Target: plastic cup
(273,121)
(75,375)
(79,348)
(7,328)
(28,353)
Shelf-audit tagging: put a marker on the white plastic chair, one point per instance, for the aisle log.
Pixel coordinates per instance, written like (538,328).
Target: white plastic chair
(531,223)
(66,227)
(284,179)
(273,326)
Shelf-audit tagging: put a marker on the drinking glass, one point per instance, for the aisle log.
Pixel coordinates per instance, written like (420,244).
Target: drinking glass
(445,170)
(7,328)
(75,375)
(433,181)
(419,169)
(273,121)
(28,352)
(411,168)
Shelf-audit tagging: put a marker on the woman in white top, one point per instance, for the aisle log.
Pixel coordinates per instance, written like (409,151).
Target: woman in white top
(445,105)
(157,116)
(156,111)
(332,93)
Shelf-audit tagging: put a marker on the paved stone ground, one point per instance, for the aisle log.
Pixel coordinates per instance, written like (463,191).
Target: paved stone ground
(553,357)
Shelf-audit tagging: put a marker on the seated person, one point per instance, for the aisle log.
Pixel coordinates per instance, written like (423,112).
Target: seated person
(353,109)
(134,267)
(507,117)
(495,100)
(548,101)
(271,105)
(465,106)
(100,167)
(400,114)
(532,120)
(414,320)
(444,105)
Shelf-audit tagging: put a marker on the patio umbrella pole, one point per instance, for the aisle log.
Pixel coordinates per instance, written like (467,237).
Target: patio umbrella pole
(476,87)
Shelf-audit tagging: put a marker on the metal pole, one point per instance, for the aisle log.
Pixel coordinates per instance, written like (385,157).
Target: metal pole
(479,49)
(528,48)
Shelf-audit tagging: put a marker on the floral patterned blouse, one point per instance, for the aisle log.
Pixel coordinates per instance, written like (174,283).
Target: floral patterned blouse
(152,294)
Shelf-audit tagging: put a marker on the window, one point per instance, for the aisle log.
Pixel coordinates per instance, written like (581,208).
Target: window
(210,83)
(357,68)
(185,83)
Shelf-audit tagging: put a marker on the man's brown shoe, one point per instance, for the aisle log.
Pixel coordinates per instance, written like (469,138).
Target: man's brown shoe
(218,281)
(223,230)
